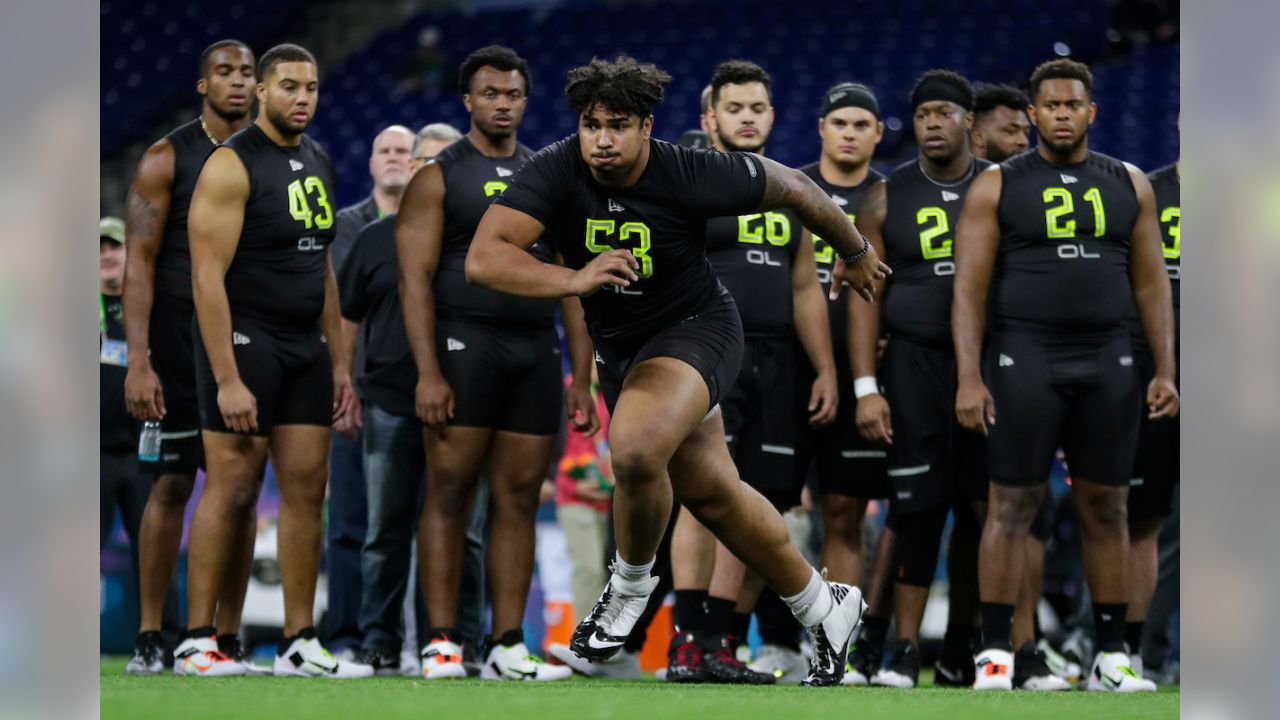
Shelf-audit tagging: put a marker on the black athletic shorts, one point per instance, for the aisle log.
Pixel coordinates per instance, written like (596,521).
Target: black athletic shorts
(1157,470)
(844,462)
(289,373)
(502,378)
(765,420)
(172,353)
(933,461)
(709,340)
(1080,397)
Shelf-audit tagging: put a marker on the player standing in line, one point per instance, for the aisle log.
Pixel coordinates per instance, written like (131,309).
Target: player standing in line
(628,215)
(270,372)
(489,382)
(1000,125)
(1065,240)
(160,383)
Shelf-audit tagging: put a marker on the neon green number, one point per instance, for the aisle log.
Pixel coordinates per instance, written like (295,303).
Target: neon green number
(1094,197)
(494,187)
(598,226)
(325,219)
(298,206)
(747,233)
(941,227)
(823,252)
(641,251)
(777,229)
(1173,216)
(1051,215)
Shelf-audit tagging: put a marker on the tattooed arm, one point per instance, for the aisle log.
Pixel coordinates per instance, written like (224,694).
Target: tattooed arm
(145,217)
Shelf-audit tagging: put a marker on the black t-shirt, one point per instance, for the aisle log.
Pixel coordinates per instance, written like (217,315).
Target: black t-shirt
(1062,268)
(191,147)
(1168,192)
(471,181)
(118,429)
(825,255)
(277,276)
(662,220)
(752,256)
(369,287)
(919,233)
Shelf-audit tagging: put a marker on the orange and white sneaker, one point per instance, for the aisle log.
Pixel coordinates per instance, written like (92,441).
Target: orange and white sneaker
(441,659)
(994,670)
(200,657)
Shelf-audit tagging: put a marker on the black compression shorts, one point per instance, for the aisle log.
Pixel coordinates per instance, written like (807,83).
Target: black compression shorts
(289,373)
(1157,470)
(172,354)
(501,378)
(844,462)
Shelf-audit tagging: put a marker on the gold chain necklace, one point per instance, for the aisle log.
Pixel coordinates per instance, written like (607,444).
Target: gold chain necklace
(208,134)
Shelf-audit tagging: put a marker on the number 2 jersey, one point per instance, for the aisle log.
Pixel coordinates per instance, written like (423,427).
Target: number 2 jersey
(919,236)
(277,277)
(1062,268)
(661,219)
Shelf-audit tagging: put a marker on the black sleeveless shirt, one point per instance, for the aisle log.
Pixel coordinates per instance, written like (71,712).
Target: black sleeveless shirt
(191,147)
(752,256)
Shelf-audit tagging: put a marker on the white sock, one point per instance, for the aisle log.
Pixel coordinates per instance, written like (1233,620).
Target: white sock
(812,604)
(631,572)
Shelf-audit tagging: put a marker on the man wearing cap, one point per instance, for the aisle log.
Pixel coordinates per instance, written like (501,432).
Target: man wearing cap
(123,484)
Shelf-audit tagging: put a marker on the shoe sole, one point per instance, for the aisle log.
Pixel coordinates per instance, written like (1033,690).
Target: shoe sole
(446,674)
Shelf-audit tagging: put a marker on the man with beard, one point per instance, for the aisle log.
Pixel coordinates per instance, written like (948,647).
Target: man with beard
(765,261)
(348,504)
(1000,125)
(160,382)
(489,380)
(270,372)
(1064,241)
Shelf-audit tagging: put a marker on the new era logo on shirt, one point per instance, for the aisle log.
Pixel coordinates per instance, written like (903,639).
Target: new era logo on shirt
(1005,360)
(503,172)
(839,200)
(1126,360)
(294,165)
(239,339)
(451,345)
(614,206)
(948,196)
(1068,179)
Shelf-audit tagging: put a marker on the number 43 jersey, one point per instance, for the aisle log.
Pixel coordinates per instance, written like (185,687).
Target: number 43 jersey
(919,235)
(661,220)
(278,273)
(1063,261)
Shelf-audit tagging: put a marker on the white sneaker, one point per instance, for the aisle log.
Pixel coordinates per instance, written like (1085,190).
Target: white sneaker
(1112,672)
(515,663)
(442,659)
(1031,671)
(623,666)
(831,637)
(234,651)
(148,656)
(306,657)
(603,631)
(200,657)
(853,676)
(1059,664)
(787,665)
(993,670)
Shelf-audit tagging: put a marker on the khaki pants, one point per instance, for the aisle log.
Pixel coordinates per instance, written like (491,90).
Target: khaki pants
(586,533)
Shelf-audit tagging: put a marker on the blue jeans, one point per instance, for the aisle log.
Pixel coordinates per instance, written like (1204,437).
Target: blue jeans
(348,513)
(395,467)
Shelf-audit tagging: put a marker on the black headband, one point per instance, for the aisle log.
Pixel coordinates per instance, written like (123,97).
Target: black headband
(850,95)
(937,88)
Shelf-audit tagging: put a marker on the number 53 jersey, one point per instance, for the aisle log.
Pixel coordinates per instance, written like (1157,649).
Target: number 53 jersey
(1063,261)
(277,276)
(661,220)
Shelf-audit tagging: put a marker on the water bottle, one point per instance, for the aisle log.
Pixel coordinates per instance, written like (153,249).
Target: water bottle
(149,442)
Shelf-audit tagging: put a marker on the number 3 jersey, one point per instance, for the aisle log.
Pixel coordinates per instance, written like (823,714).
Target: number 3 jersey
(919,237)
(1063,261)
(277,276)
(661,219)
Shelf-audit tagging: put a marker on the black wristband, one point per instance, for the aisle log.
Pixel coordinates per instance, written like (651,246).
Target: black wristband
(854,258)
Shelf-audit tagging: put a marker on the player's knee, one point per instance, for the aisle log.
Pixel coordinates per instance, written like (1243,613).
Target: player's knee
(841,516)
(636,464)
(1105,512)
(173,491)
(517,501)
(1011,514)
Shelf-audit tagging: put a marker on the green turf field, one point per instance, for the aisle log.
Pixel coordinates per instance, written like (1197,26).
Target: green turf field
(583,699)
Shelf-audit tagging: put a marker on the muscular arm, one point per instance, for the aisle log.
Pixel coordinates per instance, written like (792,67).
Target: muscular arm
(977,239)
(419,236)
(350,331)
(216,219)
(145,216)
(864,318)
(1153,295)
(581,406)
(331,322)
(812,326)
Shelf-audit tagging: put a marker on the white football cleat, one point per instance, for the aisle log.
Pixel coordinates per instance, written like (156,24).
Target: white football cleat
(788,666)
(1059,664)
(306,657)
(831,637)
(200,657)
(1112,672)
(993,670)
(601,634)
(623,666)
(514,662)
(442,660)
